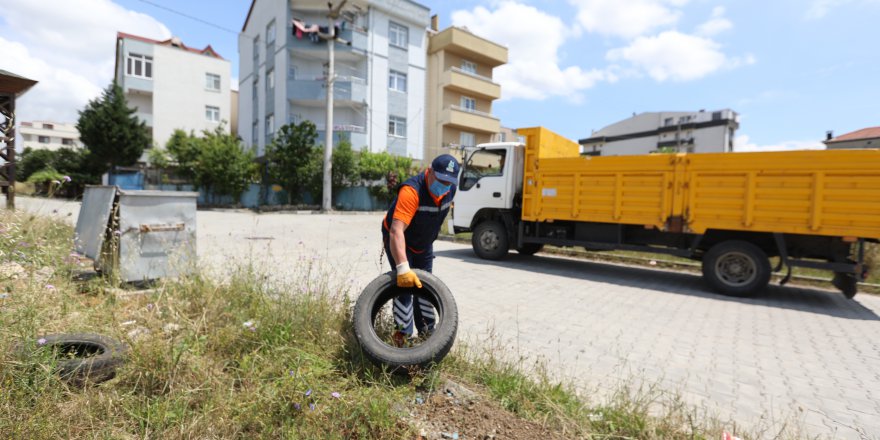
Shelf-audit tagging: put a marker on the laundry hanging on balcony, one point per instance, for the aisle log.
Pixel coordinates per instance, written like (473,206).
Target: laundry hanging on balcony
(314,31)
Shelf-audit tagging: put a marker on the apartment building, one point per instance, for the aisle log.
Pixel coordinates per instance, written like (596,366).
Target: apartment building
(685,132)
(461,89)
(46,135)
(379,85)
(172,85)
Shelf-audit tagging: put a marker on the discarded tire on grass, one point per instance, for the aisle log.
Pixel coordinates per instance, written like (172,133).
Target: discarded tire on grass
(85,358)
(372,317)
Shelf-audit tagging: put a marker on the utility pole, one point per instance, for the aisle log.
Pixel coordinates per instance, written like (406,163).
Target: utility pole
(332,16)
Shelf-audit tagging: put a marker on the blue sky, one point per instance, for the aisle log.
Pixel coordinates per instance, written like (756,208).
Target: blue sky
(792,69)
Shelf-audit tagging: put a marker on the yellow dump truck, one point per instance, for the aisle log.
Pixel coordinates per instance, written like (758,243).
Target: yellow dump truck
(732,211)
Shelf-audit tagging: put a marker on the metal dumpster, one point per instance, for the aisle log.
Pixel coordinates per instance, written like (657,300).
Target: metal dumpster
(138,235)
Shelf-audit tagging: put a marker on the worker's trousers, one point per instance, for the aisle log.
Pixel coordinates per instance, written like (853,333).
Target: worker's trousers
(407,315)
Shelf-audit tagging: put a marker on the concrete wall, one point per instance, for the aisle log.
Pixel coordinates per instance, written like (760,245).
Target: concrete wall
(180,95)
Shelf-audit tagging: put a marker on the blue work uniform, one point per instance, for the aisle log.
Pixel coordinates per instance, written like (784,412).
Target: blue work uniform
(419,235)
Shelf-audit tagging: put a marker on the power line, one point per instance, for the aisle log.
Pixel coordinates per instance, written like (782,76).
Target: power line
(182,14)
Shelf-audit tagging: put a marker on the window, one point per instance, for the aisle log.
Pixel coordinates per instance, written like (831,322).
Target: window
(255,133)
(468,139)
(716,116)
(256,51)
(67,141)
(396,126)
(270,126)
(469,66)
(397,81)
(270,33)
(291,71)
(43,139)
(668,122)
(256,87)
(48,126)
(212,113)
(212,82)
(398,35)
(270,80)
(140,66)
(469,104)
(483,163)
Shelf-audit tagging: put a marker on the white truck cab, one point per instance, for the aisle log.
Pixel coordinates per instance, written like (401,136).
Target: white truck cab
(491,179)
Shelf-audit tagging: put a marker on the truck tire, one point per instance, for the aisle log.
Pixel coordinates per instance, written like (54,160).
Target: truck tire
(86,358)
(847,283)
(736,268)
(432,350)
(490,240)
(530,248)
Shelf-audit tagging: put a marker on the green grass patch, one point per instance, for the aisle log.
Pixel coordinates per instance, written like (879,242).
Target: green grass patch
(248,359)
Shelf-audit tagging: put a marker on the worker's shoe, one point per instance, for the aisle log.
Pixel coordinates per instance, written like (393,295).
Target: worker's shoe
(400,339)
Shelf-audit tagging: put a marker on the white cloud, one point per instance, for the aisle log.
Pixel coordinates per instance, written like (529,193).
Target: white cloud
(628,19)
(742,143)
(533,39)
(675,56)
(716,25)
(820,8)
(69,47)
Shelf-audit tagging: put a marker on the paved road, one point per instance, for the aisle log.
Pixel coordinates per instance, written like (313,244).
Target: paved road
(802,355)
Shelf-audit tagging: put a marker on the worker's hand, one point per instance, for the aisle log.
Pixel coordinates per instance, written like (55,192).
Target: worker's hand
(406,277)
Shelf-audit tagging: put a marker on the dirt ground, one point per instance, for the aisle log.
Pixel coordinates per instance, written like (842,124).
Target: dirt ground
(456,412)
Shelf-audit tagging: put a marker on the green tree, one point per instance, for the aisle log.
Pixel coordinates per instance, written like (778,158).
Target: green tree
(110,132)
(384,171)
(345,166)
(32,161)
(224,166)
(291,159)
(184,150)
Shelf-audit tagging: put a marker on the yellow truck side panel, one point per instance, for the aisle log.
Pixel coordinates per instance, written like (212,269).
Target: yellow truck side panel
(832,193)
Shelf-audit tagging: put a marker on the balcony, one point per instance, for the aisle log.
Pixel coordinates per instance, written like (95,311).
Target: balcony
(468,45)
(470,83)
(470,120)
(355,51)
(312,92)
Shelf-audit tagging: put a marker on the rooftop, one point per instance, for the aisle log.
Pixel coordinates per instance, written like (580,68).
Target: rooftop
(172,42)
(865,133)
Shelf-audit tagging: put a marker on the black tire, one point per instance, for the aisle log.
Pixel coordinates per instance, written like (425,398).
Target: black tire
(847,283)
(399,360)
(530,248)
(86,358)
(736,268)
(490,240)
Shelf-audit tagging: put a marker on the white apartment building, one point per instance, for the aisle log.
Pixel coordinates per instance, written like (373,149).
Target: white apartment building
(379,88)
(685,132)
(173,86)
(46,135)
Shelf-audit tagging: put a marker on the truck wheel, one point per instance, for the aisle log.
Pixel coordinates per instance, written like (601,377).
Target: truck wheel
(530,248)
(374,323)
(736,268)
(847,283)
(490,240)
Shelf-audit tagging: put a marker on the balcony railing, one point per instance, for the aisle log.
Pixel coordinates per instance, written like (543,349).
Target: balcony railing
(357,38)
(343,127)
(476,112)
(475,75)
(344,89)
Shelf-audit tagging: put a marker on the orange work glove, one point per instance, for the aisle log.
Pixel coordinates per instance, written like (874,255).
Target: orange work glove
(406,277)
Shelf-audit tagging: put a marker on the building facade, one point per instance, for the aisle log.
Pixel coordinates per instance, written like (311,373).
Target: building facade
(173,86)
(379,85)
(652,132)
(864,138)
(46,135)
(461,89)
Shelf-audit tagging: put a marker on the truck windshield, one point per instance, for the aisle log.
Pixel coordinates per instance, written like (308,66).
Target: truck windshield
(480,164)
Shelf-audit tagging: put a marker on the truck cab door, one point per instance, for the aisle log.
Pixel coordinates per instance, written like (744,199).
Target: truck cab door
(486,182)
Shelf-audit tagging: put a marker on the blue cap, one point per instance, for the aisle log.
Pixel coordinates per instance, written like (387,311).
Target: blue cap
(446,168)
